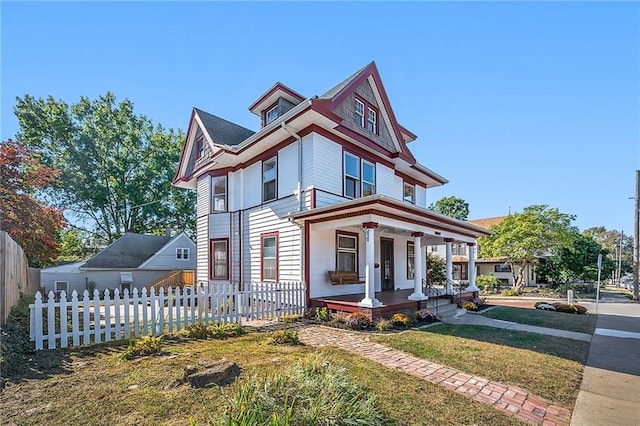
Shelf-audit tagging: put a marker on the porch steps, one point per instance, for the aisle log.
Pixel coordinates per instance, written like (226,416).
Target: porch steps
(446,309)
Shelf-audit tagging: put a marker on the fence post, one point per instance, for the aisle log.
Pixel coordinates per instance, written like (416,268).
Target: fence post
(37,335)
(116,313)
(51,321)
(86,317)
(160,313)
(154,312)
(64,342)
(278,289)
(96,316)
(127,307)
(75,327)
(107,315)
(145,315)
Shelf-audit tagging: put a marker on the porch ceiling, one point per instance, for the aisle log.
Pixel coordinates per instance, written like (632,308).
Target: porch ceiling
(396,216)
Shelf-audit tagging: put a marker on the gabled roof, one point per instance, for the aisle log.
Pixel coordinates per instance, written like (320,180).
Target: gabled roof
(488,222)
(221,131)
(129,251)
(271,95)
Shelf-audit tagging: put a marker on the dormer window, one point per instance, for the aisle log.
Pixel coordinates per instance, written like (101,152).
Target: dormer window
(366,115)
(200,147)
(271,115)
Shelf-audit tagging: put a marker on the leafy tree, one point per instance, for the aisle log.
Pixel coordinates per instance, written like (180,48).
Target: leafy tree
(71,245)
(116,166)
(33,224)
(452,206)
(610,240)
(578,260)
(436,269)
(522,237)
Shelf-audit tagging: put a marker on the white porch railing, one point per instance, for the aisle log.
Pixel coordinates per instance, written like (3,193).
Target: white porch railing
(111,316)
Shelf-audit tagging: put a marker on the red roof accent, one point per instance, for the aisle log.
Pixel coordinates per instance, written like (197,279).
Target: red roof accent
(272,90)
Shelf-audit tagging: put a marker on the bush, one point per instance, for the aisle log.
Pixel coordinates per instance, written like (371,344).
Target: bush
(290,318)
(561,307)
(357,321)
(509,292)
(215,331)
(312,391)
(143,346)
(14,338)
(469,305)
(383,324)
(401,320)
(488,282)
(284,337)
(323,314)
(425,315)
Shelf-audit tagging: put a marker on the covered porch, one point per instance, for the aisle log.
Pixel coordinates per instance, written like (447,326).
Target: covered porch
(381,243)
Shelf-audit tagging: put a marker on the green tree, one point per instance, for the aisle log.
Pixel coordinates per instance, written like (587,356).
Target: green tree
(610,240)
(116,166)
(71,245)
(436,273)
(523,237)
(577,260)
(454,207)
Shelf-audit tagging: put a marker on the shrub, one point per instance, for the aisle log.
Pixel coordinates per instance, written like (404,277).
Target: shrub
(284,337)
(489,282)
(215,331)
(357,321)
(425,315)
(509,292)
(14,338)
(290,318)
(400,320)
(312,391)
(566,308)
(143,346)
(581,309)
(469,305)
(323,314)
(383,324)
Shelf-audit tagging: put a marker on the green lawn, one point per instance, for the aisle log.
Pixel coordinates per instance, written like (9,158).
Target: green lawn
(559,320)
(94,386)
(550,367)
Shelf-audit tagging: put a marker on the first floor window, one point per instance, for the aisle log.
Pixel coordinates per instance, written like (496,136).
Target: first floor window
(460,271)
(269,179)
(347,252)
(269,258)
(219,194)
(182,253)
(411,261)
(219,269)
(502,268)
(59,286)
(409,193)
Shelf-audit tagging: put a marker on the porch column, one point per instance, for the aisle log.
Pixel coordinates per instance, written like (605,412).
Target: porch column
(449,266)
(369,300)
(472,267)
(417,267)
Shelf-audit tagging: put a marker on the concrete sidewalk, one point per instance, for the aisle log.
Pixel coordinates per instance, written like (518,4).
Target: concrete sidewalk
(477,319)
(610,389)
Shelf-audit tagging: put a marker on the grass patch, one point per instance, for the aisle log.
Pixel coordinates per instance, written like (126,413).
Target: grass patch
(143,391)
(550,367)
(541,318)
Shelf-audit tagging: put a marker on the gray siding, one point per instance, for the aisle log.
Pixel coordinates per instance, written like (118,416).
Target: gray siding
(165,259)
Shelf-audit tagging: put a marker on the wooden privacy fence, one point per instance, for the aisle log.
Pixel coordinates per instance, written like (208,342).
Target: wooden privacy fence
(107,316)
(15,275)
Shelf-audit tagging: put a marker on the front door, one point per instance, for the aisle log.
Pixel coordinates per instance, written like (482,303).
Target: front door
(386,260)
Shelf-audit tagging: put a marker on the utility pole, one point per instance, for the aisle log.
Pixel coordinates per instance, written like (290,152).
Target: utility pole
(636,236)
(620,259)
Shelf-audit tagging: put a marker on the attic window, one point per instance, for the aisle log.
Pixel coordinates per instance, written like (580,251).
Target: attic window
(368,121)
(359,113)
(182,253)
(200,147)
(271,115)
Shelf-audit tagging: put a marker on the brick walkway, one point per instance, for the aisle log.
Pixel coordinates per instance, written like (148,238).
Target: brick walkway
(509,399)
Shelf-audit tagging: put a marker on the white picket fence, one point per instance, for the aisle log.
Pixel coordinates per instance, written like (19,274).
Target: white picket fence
(111,316)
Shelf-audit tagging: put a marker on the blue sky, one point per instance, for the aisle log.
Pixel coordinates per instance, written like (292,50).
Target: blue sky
(515,103)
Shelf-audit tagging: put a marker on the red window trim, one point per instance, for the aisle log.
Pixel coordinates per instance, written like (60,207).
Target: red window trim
(414,260)
(262,237)
(263,114)
(414,192)
(369,106)
(226,194)
(349,234)
(216,240)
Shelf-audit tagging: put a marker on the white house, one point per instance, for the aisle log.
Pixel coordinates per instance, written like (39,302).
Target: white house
(132,261)
(326,184)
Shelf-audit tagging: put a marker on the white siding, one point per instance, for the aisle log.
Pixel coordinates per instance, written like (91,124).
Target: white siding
(202,198)
(386,182)
(252,185)
(165,259)
(288,170)
(326,199)
(327,164)
(270,218)
(308,180)
(421,197)
(202,248)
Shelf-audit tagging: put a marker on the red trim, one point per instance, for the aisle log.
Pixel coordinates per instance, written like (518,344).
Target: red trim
(370,225)
(275,88)
(357,237)
(434,177)
(177,177)
(366,107)
(307,262)
(417,234)
(448,240)
(410,180)
(367,142)
(313,198)
(471,244)
(211,241)
(262,237)
(407,132)
(263,114)
(241,267)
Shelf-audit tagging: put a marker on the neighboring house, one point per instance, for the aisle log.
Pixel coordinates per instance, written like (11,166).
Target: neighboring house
(327,184)
(130,262)
(495,266)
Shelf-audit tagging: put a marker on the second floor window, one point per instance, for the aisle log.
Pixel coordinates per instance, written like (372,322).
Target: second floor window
(219,194)
(269,179)
(409,193)
(459,249)
(359,177)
